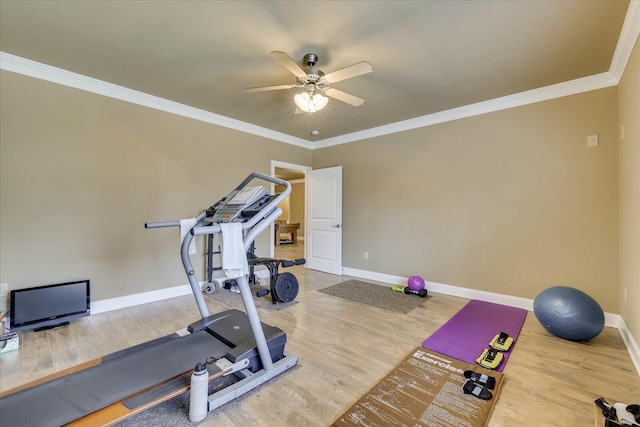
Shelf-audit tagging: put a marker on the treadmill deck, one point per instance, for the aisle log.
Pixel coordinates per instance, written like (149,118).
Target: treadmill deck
(118,376)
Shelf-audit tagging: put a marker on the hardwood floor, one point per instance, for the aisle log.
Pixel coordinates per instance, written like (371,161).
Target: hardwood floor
(344,348)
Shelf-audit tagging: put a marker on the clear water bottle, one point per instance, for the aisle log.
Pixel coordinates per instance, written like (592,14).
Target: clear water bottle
(199,393)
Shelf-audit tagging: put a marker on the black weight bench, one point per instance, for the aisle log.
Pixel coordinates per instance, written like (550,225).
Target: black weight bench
(283,286)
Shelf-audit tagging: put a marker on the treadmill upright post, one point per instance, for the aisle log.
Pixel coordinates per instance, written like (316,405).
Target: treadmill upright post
(191,275)
(247,298)
(243,284)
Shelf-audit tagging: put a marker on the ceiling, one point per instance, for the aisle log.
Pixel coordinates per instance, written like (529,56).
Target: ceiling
(427,56)
(289,174)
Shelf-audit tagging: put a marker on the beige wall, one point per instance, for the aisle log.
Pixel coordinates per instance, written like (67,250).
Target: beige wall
(511,202)
(293,206)
(284,205)
(82,173)
(629,117)
(297,206)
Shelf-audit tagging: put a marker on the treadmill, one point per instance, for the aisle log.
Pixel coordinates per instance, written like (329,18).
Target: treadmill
(122,384)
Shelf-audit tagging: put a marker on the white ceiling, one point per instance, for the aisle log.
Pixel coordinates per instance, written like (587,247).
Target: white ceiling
(427,56)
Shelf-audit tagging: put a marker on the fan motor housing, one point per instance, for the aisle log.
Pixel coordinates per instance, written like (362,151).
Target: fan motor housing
(310,59)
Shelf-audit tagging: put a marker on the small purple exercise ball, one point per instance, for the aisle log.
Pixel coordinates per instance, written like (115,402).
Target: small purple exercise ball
(415,283)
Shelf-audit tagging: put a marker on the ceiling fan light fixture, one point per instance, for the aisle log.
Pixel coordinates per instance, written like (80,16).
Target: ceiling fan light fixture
(310,103)
(313,83)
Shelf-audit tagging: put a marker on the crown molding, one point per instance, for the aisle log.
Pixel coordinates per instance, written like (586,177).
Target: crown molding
(628,37)
(41,71)
(45,72)
(585,84)
(626,42)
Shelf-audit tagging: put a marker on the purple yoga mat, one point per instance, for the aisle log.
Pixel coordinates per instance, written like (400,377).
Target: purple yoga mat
(471,329)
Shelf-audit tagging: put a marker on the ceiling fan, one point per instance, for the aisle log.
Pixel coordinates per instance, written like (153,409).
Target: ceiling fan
(315,83)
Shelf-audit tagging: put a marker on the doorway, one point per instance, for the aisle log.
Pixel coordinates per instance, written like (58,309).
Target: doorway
(289,244)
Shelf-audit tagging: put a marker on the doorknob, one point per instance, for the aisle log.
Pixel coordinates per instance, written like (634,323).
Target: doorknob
(336,226)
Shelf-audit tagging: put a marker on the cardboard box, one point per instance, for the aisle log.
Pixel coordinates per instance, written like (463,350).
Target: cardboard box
(9,342)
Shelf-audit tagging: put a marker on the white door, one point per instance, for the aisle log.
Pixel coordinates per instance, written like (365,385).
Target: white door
(323,238)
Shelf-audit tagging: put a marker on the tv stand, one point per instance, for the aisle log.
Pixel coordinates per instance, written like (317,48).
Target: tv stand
(44,328)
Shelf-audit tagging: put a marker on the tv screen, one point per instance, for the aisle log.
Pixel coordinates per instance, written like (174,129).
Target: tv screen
(48,306)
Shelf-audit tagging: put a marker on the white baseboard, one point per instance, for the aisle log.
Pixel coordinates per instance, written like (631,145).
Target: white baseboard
(630,342)
(441,288)
(136,299)
(610,319)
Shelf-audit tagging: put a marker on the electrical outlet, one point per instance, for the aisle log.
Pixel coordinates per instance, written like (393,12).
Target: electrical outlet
(366,255)
(592,141)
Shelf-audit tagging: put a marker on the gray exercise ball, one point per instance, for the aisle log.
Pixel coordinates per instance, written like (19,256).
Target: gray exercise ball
(569,313)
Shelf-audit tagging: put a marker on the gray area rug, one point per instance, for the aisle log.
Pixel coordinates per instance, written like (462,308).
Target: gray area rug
(375,295)
(175,411)
(232,299)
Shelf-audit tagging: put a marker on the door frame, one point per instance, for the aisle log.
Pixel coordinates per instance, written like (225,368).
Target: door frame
(284,165)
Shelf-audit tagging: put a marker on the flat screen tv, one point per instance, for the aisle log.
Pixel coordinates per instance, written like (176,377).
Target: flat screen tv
(45,307)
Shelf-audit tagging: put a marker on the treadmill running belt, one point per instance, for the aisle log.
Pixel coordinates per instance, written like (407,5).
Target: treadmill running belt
(73,396)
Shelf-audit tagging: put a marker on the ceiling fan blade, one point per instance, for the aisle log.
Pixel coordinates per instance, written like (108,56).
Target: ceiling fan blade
(290,64)
(351,71)
(264,88)
(299,111)
(344,97)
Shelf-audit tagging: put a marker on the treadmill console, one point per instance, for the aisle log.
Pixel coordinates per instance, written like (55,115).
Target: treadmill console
(239,205)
